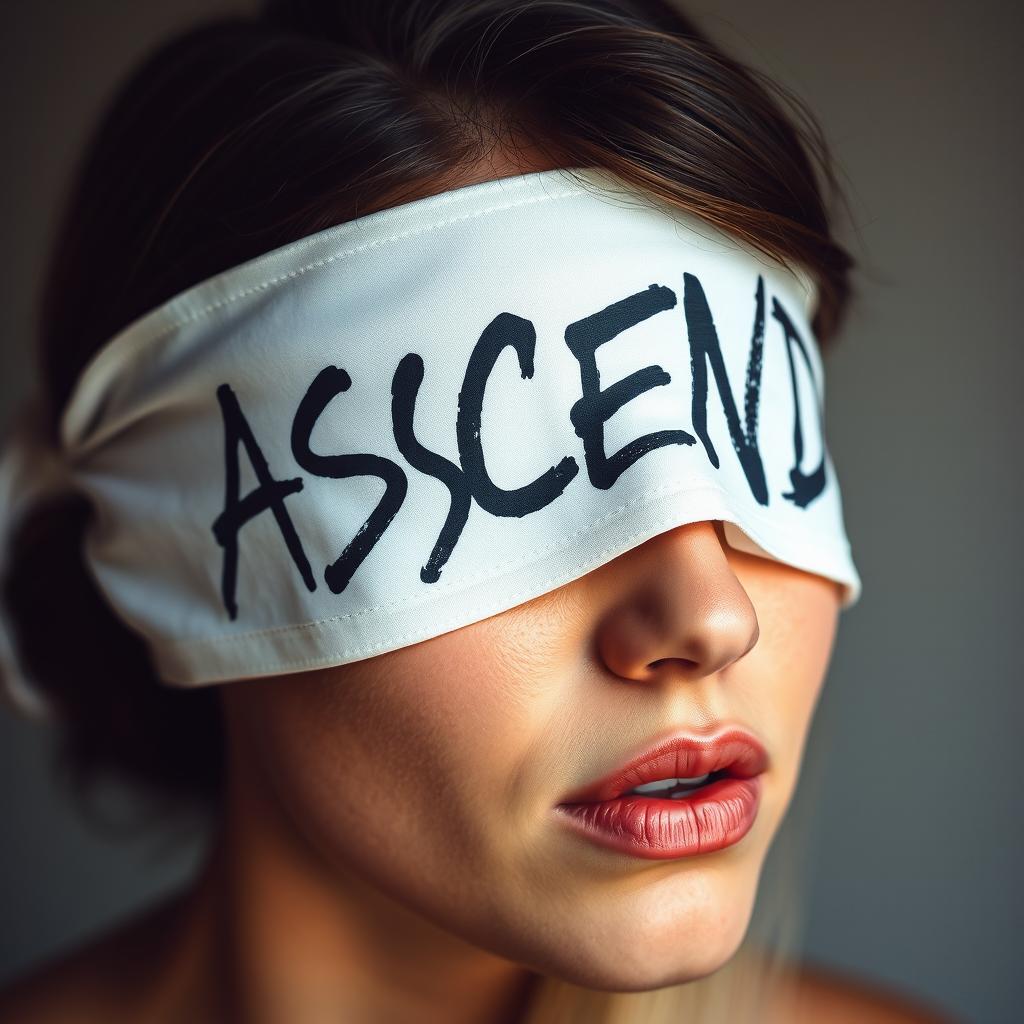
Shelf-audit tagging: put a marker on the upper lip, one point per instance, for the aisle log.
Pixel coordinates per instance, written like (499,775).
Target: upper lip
(680,755)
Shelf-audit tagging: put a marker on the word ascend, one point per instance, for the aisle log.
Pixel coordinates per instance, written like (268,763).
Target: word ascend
(469,481)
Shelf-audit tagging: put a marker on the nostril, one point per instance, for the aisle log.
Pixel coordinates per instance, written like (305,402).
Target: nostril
(684,662)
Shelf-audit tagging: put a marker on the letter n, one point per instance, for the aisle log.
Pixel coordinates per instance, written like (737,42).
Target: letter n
(704,349)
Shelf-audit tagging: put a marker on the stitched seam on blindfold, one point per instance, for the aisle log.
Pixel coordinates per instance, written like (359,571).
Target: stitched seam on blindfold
(396,642)
(126,344)
(463,581)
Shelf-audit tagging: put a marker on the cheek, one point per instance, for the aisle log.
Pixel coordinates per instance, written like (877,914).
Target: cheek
(408,763)
(783,676)
(803,631)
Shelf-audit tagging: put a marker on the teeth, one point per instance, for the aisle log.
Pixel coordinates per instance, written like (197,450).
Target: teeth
(661,785)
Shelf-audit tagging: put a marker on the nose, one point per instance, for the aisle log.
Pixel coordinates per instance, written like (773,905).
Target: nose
(680,610)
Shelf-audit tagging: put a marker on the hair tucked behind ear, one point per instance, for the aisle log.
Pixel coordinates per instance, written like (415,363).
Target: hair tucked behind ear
(244,134)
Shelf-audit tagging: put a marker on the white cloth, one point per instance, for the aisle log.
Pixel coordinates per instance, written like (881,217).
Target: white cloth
(542,323)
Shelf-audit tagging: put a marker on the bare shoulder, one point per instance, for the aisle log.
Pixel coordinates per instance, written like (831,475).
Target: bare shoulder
(103,980)
(825,996)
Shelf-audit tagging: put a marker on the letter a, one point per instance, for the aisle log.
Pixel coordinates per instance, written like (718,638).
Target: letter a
(270,494)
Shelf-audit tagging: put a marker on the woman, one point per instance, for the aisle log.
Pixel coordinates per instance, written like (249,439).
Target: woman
(441,821)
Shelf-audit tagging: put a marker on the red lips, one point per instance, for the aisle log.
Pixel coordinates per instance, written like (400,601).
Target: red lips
(736,752)
(656,826)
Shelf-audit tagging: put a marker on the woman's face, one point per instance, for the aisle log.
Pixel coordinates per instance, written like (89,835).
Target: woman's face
(434,771)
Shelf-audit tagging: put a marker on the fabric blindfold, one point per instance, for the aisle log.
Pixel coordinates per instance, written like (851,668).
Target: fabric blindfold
(420,418)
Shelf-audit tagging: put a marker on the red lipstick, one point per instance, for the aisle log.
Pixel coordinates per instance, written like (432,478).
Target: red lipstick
(674,819)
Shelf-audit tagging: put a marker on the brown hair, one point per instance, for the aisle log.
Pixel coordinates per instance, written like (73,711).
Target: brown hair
(243,134)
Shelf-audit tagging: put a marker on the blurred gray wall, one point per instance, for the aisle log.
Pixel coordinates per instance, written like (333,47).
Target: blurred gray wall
(909,806)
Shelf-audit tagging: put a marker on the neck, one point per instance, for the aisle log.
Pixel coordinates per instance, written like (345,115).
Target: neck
(280,935)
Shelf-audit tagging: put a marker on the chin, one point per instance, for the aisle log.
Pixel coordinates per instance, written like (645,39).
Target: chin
(621,969)
(666,935)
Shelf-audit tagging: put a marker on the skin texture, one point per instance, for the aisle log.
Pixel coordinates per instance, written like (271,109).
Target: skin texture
(430,773)
(389,851)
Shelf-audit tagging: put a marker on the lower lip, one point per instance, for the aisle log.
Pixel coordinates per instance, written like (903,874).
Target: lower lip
(714,817)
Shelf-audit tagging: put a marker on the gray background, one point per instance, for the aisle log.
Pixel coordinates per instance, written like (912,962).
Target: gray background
(909,808)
